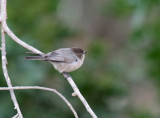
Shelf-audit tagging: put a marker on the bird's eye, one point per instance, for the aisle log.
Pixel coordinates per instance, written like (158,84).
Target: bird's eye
(84,52)
(76,60)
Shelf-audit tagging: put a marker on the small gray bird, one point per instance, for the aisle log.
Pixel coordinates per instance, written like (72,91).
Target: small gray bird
(64,59)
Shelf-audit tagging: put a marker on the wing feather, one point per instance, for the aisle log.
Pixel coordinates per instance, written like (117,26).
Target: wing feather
(60,55)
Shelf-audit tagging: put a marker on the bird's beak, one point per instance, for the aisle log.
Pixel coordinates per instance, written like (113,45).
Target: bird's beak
(84,52)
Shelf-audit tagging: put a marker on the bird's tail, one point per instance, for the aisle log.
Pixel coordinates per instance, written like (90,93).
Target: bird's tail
(34,57)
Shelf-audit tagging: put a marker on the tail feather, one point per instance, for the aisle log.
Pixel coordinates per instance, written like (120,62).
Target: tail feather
(34,57)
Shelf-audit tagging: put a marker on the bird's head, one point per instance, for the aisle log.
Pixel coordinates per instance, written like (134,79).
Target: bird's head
(79,52)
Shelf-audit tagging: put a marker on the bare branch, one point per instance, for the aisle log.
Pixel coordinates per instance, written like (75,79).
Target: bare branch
(4,62)
(79,95)
(45,89)
(4,59)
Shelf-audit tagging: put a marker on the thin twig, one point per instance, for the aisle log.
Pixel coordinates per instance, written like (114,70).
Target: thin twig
(79,95)
(4,59)
(45,89)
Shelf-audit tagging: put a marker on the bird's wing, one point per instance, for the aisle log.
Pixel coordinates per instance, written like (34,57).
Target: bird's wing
(59,56)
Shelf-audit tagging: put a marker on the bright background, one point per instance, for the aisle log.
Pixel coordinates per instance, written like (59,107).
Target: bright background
(120,77)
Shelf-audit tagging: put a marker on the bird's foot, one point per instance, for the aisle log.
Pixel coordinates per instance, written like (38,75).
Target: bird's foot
(65,74)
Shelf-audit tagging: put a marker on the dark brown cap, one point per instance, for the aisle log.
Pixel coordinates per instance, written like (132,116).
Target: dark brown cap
(78,51)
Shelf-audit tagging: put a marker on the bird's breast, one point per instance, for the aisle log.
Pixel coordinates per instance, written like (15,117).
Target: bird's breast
(73,66)
(67,67)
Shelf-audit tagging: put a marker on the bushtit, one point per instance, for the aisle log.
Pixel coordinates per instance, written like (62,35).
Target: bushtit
(64,59)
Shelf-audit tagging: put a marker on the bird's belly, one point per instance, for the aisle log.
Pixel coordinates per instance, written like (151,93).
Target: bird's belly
(63,67)
(72,67)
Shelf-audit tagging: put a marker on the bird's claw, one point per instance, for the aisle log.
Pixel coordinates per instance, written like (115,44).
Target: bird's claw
(65,74)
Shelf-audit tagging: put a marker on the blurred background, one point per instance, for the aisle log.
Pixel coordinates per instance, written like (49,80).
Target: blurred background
(120,77)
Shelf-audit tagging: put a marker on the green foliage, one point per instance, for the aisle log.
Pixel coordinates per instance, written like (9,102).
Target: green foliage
(122,40)
(141,114)
(117,8)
